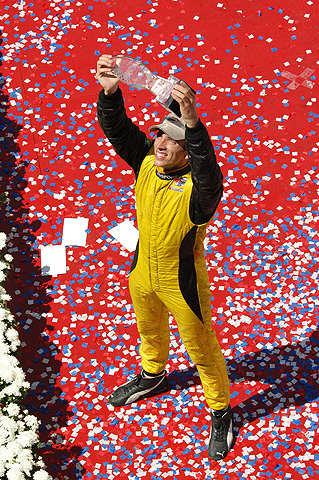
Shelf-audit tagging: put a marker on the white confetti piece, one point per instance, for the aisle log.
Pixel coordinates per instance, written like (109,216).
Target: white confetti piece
(126,234)
(53,260)
(74,231)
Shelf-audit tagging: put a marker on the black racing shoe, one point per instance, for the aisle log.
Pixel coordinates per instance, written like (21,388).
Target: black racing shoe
(221,434)
(138,388)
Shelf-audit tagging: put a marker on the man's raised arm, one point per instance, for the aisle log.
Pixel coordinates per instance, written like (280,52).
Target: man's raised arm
(129,142)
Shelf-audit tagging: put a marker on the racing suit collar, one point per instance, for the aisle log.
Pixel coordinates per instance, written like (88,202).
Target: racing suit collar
(173,173)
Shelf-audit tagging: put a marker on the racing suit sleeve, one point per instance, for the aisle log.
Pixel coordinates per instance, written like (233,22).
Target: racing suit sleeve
(129,142)
(206,174)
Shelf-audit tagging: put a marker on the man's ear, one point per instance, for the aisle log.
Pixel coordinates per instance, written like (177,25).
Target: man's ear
(186,156)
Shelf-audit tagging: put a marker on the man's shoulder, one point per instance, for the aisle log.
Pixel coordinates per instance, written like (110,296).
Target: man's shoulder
(148,160)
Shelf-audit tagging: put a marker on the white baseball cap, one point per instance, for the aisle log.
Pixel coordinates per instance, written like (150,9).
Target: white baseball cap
(172,126)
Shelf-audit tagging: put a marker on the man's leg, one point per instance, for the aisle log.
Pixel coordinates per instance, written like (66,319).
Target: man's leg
(153,326)
(203,347)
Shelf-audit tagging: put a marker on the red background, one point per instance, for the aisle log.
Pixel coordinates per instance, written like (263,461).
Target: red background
(78,332)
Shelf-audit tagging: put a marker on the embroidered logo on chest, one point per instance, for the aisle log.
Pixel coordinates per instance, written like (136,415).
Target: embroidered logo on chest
(178,184)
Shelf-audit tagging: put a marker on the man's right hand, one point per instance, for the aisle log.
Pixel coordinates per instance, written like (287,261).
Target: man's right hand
(105,76)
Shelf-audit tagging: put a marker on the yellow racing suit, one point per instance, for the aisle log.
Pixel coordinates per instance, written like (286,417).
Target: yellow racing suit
(169,272)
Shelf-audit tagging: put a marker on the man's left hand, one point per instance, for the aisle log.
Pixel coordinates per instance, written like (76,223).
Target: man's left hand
(184,95)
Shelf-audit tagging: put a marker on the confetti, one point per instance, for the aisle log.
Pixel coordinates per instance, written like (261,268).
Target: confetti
(53,260)
(75,231)
(255,71)
(126,234)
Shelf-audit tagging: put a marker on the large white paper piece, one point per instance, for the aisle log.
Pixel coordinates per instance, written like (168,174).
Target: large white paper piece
(53,260)
(74,232)
(126,234)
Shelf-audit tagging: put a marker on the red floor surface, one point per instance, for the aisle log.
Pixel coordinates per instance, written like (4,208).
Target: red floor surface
(254,65)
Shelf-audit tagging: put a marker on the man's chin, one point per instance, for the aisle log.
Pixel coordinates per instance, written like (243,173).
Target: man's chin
(159,162)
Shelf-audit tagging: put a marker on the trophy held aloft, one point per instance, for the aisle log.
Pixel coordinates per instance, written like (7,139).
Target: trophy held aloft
(134,73)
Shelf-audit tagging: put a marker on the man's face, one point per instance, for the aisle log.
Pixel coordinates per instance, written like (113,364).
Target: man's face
(169,153)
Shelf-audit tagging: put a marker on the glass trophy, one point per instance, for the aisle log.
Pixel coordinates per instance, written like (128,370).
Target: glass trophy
(134,73)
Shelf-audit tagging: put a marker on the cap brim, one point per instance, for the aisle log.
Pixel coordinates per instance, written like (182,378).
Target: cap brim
(173,133)
(153,128)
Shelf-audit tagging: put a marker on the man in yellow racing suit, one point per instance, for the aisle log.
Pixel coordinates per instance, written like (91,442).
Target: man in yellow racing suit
(178,187)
